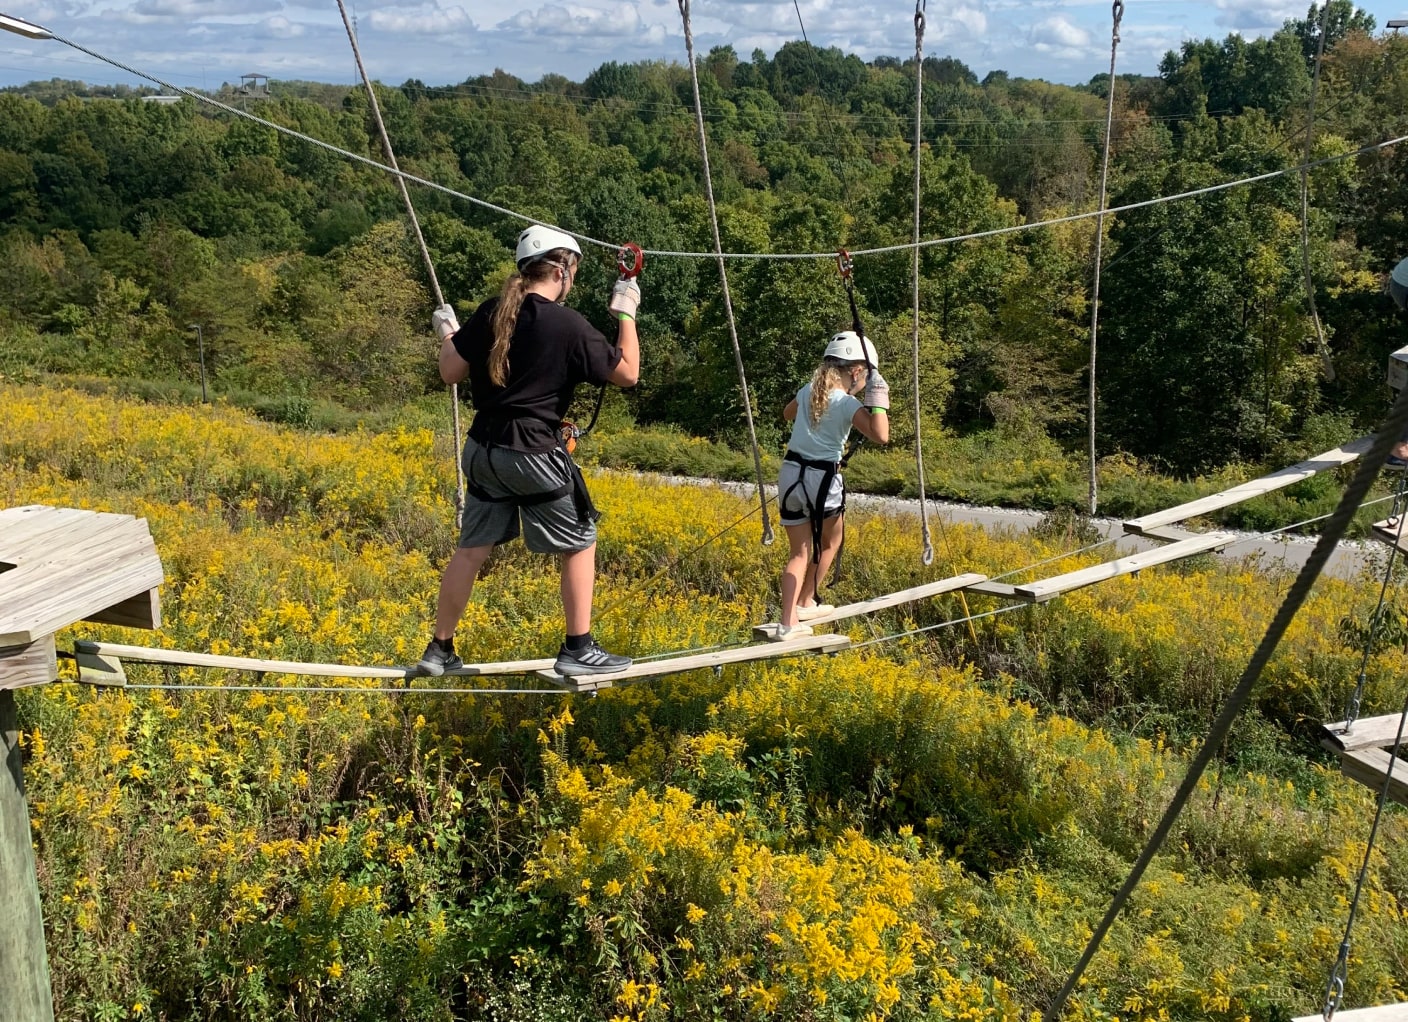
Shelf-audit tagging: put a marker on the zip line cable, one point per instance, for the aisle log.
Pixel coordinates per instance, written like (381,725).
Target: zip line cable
(667,253)
(1354,494)
(420,241)
(1321,345)
(723,272)
(919,7)
(1117,11)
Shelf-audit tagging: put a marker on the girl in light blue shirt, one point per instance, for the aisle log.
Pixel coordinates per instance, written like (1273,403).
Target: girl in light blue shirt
(810,492)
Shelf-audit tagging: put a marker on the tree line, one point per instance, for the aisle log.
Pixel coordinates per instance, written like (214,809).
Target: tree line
(125,223)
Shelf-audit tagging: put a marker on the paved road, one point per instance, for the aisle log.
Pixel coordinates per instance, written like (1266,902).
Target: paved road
(1349,560)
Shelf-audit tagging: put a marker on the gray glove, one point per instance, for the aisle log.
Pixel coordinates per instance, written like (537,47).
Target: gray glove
(444,322)
(625,298)
(877,392)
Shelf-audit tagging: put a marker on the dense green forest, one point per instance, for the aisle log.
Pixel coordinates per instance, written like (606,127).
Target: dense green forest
(126,222)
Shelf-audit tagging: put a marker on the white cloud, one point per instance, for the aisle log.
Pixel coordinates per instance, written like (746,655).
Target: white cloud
(1057,34)
(425,19)
(1257,17)
(587,24)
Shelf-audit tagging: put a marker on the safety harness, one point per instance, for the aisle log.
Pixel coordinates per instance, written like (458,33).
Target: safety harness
(576,487)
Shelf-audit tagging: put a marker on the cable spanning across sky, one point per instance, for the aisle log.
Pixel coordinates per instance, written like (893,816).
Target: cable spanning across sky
(680,254)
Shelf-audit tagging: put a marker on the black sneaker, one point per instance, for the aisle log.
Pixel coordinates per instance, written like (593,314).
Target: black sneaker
(590,659)
(436,660)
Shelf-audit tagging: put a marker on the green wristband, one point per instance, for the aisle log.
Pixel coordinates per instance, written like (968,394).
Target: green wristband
(623,316)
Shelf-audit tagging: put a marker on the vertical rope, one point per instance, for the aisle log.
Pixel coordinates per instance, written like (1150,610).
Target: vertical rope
(1320,344)
(723,273)
(919,5)
(1118,13)
(420,240)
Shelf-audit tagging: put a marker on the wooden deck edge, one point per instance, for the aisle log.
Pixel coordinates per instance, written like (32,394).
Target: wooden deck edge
(1382,1013)
(1370,767)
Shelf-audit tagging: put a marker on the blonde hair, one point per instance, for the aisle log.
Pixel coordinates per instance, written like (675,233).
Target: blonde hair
(505,318)
(828,377)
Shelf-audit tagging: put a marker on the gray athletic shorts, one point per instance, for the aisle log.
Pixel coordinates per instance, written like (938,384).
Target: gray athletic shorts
(795,501)
(549,528)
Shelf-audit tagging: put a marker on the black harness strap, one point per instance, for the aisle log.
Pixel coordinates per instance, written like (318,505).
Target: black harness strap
(576,488)
(816,509)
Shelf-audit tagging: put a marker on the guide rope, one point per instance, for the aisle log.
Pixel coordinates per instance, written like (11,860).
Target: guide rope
(723,271)
(1117,11)
(919,8)
(420,241)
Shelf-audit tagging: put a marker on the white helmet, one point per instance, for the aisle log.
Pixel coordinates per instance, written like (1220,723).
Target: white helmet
(849,346)
(1398,284)
(537,241)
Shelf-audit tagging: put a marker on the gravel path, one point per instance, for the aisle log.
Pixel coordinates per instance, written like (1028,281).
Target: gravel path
(1285,552)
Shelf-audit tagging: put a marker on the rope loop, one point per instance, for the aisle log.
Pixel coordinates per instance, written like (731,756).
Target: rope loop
(1334,990)
(1117,9)
(919,6)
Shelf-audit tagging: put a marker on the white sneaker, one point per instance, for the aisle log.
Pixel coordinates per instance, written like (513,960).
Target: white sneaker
(795,632)
(815,611)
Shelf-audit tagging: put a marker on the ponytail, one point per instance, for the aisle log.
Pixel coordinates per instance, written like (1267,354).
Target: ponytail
(505,318)
(826,379)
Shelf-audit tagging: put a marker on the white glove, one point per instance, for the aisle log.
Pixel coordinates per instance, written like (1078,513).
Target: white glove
(625,297)
(444,322)
(877,392)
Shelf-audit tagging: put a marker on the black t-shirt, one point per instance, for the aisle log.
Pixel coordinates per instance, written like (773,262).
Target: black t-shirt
(552,350)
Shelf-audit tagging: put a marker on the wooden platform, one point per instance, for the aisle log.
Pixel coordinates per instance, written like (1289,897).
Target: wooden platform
(1246,491)
(62,565)
(1047,588)
(1383,1013)
(912,595)
(701,661)
(1364,755)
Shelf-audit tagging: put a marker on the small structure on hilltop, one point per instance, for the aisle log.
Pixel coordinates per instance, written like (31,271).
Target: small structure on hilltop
(255,86)
(58,566)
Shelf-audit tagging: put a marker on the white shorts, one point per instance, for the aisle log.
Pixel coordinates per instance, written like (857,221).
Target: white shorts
(797,493)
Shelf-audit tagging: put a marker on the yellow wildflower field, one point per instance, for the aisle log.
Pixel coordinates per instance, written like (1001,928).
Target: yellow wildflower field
(928,827)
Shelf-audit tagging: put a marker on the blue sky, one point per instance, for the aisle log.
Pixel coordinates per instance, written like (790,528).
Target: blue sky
(202,43)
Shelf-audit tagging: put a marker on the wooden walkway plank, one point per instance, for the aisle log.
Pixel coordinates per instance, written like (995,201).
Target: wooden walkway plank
(1383,1013)
(1368,733)
(1257,487)
(1370,766)
(1045,589)
(1003,589)
(1392,531)
(181,658)
(702,661)
(911,595)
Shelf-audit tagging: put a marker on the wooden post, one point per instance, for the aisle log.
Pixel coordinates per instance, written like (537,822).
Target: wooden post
(25,995)
(58,566)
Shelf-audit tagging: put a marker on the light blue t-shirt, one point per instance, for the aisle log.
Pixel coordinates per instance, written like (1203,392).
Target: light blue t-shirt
(827,441)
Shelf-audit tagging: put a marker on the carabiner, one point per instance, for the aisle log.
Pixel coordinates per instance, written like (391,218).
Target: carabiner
(844,263)
(630,260)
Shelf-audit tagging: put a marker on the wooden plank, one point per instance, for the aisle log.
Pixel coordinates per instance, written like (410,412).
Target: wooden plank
(25,993)
(1370,767)
(35,663)
(702,661)
(19,525)
(1368,733)
(140,611)
(104,588)
(1168,533)
(911,595)
(1256,488)
(1046,588)
(79,555)
(1002,589)
(182,658)
(1383,1013)
(1392,531)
